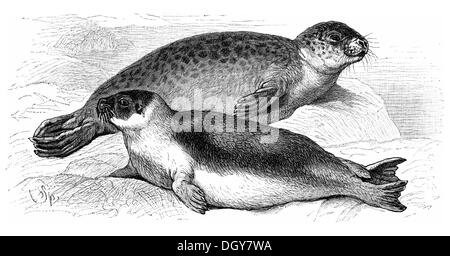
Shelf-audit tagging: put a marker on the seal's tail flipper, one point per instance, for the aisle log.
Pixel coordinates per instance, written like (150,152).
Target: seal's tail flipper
(383,172)
(61,136)
(386,196)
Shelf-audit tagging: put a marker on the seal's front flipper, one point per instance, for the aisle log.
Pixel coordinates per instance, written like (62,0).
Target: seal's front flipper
(127,172)
(262,101)
(191,195)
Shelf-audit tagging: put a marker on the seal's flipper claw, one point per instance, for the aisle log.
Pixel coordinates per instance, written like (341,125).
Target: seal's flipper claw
(60,152)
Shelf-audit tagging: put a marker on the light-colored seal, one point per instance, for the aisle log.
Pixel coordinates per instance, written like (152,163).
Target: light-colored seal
(232,168)
(242,66)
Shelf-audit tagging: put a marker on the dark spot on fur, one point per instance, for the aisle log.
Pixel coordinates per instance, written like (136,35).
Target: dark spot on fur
(177,57)
(182,68)
(191,54)
(183,48)
(224,60)
(215,47)
(198,47)
(214,55)
(238,49)
(226,43)
(185,59)
(164,79)
(225,51)
(195,60)
(164,57)
(238,37)
(202,54)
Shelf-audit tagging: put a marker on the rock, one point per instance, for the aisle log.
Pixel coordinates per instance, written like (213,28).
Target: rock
(349,112)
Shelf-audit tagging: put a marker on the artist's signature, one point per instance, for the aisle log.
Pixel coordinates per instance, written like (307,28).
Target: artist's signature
(206,247)
(41,195)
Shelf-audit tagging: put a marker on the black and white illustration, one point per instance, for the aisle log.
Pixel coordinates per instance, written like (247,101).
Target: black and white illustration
(184,116)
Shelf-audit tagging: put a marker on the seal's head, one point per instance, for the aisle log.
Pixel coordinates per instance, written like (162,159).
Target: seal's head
(329,47)
(129,110)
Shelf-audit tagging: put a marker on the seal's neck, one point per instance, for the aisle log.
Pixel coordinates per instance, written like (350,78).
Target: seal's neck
(317,78)
(157,126)
(312,84)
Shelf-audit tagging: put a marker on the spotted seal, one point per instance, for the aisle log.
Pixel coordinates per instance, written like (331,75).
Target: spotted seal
(243,66)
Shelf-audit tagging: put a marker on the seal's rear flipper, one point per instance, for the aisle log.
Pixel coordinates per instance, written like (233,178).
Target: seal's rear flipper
(386,196)
(64,143)
(383,172)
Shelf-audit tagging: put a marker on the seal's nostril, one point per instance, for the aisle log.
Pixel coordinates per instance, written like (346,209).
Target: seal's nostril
(363,44)
(102,104)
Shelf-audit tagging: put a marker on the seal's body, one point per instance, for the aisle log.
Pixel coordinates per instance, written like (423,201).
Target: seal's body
(235,68)
(208,165)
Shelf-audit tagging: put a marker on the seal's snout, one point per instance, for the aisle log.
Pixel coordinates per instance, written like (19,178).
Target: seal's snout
(357,47)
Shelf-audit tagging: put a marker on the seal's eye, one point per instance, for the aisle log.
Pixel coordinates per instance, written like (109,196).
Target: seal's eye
(334,37)
(124,102)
